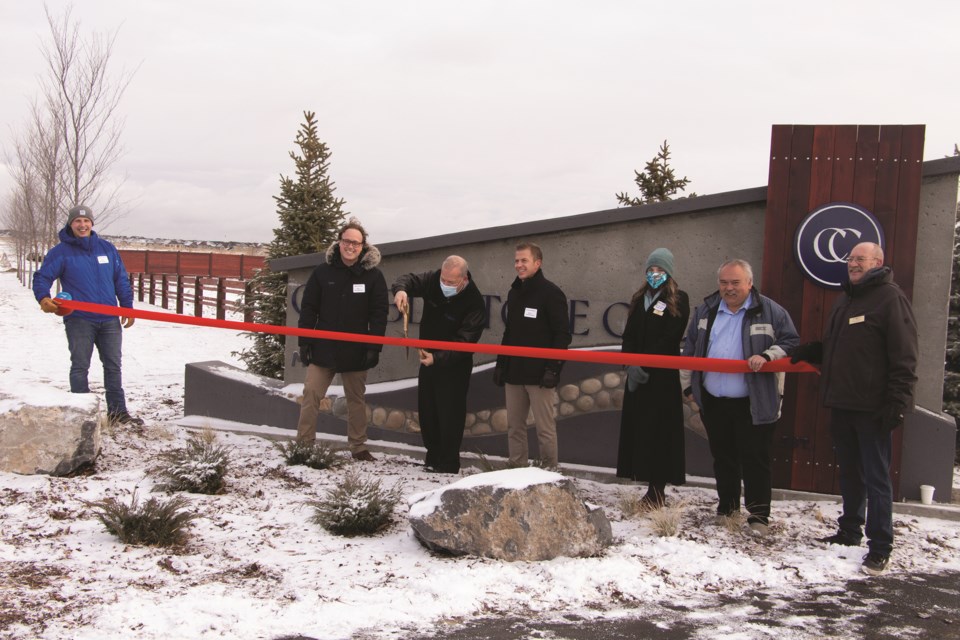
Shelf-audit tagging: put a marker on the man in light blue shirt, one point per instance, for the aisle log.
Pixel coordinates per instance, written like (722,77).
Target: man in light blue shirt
(740,410)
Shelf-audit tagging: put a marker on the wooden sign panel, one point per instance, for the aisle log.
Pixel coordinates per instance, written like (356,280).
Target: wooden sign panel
(877,168)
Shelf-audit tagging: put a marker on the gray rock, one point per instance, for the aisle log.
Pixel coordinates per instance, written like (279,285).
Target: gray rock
(52,439)
(516,514)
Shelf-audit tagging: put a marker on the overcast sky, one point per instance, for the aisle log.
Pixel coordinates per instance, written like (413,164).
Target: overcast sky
(446,116)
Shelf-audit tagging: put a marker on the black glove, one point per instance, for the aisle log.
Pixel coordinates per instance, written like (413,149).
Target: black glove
(498,377)
(371,359)
(811,352)
(891,417)
(636,376)
(549,379)
(305,355)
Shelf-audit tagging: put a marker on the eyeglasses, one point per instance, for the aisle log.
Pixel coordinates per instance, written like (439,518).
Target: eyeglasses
(859,259)
(350,243)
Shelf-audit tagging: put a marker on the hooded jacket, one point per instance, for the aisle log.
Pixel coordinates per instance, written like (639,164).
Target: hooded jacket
(351,299)
(537,316)
(870,346)
(459,318)
(767,330)
(89,269)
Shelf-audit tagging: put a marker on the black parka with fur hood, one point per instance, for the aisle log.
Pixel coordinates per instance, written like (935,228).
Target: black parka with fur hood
(352,299)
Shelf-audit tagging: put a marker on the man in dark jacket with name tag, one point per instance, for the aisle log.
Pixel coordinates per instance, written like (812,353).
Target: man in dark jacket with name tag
(453,311)
(537,316)
(868,373)
(346,293)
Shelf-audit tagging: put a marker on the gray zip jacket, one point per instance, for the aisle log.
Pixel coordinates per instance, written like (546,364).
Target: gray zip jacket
(767,331)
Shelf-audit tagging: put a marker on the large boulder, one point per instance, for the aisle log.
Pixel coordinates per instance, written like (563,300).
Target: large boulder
(516,514)
(48,431)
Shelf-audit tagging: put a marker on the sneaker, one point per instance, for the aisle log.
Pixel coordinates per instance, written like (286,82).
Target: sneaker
(759,529)
(841,538)
(122,417)
(874,563)
(363,456)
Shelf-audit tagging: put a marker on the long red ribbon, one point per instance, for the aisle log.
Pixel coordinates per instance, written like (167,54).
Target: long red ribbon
(605,357)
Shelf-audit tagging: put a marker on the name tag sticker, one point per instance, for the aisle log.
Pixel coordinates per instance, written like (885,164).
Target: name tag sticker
(857,319)
(529,312)
(103,259)
(359,288)
(660,306)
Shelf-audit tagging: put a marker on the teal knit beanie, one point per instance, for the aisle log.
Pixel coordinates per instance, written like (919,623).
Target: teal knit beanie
(660,258)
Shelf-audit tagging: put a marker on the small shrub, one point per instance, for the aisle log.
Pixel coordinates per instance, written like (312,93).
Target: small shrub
(355,507)
(316,455)
(485,464)
(152,523)
(199,467)
(631,503)
(733,523)
(665,520)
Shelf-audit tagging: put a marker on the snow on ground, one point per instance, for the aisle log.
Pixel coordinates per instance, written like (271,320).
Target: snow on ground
(256,568)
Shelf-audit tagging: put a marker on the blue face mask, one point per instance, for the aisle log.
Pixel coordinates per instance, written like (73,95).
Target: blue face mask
(656,280)
(449,290)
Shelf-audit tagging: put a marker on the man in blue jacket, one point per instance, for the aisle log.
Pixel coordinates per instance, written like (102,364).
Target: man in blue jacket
(90,270)
(740,410)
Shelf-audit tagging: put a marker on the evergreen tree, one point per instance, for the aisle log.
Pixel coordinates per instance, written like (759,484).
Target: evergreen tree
(951,374)
(657,182)
(310,215)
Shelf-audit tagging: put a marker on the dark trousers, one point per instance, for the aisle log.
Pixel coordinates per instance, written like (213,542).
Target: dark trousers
(442,401)
(863,455)
(741,451)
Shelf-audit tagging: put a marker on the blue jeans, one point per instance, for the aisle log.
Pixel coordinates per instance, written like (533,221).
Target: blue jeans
(107,336)
(863,454)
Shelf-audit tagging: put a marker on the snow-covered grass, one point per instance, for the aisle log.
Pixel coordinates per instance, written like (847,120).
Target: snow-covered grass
(256,567)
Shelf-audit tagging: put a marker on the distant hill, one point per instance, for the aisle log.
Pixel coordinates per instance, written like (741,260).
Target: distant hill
(163,244)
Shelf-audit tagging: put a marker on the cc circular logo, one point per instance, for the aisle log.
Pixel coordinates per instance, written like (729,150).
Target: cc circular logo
(825,237)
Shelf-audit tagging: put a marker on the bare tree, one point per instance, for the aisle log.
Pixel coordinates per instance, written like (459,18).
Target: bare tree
(82,99)
(72,141)
(34,209)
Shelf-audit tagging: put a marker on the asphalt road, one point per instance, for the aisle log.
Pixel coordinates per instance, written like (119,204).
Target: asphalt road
(893,606)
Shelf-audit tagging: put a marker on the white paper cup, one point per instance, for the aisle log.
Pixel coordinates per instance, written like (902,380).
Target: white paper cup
(926,494)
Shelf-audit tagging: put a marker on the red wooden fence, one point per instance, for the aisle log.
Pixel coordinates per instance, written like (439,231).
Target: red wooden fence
(186,263)
(202,279)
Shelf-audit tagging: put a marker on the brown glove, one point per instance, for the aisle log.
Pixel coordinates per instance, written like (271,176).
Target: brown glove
(48,305)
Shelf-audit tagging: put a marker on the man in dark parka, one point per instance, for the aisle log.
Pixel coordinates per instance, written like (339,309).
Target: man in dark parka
(453,311)
(346,293)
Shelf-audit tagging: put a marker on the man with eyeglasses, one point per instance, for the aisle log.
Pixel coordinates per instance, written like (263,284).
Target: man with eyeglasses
(868,360)
(346,293)
(453,311)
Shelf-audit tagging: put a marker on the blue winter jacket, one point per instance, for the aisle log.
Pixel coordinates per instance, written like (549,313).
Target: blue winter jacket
(767,330)
(89,269)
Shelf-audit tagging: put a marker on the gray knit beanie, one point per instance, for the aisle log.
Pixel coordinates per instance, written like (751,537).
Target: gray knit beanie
(660,258)
(81,211)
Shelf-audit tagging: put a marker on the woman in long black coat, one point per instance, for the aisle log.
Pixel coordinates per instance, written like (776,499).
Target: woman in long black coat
(651,424)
